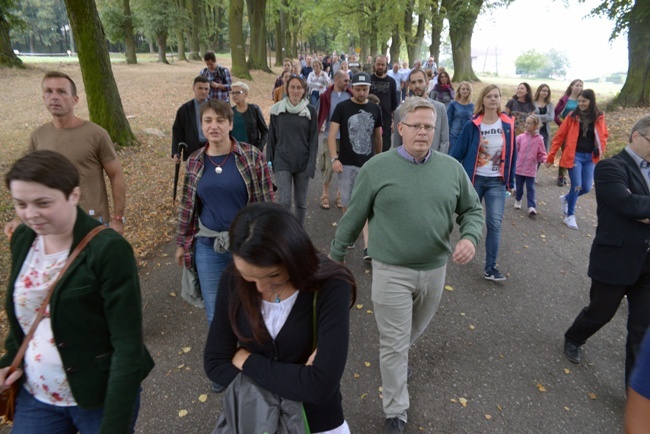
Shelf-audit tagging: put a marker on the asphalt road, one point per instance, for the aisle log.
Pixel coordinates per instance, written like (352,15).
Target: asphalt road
(496,345)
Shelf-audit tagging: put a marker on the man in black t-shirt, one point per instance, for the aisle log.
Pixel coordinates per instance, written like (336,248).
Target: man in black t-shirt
(359,122)
(386,90)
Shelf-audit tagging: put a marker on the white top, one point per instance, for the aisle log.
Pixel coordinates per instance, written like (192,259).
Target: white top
(276,314)
(45,376)
(490,147)
(317,82)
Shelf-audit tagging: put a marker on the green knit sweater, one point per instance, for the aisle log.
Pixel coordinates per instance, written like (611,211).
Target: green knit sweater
(410,208)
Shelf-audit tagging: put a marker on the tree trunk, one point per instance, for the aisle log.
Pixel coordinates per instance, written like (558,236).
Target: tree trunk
(196,23)
(162,48)
(104,103)
(129,40)
(636,90)
(280,50)
(180,40)
(415,43)
(257,19)
(7,55)
(237,49)
(395,45)
(437,18)
(462,19)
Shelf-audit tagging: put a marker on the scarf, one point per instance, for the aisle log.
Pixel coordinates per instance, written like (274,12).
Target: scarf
(285,106)
(585,120)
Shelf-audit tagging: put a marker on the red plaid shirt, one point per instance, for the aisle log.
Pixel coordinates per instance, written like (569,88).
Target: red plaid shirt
(255,173)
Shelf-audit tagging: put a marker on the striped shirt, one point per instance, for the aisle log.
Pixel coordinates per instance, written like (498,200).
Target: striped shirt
(255,173)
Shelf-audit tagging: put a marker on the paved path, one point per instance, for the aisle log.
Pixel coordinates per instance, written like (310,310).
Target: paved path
(497,345)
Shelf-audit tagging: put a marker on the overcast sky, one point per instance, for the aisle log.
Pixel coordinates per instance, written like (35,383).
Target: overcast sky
(546,24)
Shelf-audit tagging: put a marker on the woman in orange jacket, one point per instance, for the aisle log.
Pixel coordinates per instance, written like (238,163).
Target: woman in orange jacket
(584,135)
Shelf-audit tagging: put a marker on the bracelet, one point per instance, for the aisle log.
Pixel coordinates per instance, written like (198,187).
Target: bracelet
(119,218)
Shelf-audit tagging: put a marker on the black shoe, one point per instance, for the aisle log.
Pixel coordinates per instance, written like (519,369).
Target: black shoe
(366,256)
(395,425)
(494,275)
(572,351)
(560,181)
(217,388)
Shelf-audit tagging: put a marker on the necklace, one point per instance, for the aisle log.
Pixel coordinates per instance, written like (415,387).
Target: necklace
(276,297)
(218,168)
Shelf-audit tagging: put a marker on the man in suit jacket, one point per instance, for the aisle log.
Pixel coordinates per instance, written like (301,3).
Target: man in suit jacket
(417,83)
(187,125)
(619,264)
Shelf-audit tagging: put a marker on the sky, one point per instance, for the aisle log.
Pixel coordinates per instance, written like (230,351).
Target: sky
(546,24)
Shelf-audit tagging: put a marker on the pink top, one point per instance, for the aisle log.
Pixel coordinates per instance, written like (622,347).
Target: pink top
(530,151)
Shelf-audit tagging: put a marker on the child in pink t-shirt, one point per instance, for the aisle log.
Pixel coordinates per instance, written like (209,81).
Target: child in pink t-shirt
(530,152)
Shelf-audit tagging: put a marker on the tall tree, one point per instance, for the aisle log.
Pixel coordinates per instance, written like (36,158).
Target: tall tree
(462,15)
(437,20)
(183,21)
(257,20)
(196,20)
(237,45)
(129,39)
(395,44)
(633,16)
(159,17)
(7,18)
(104,103)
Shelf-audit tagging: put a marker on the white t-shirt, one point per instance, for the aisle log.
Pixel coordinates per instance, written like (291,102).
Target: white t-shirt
(490,148)
(46,379)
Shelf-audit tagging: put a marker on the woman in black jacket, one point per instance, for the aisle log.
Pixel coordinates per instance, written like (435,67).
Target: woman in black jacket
(264,326)
(249,125)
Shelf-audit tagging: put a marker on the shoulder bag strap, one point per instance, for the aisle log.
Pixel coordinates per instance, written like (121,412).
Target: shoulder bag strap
(41,310)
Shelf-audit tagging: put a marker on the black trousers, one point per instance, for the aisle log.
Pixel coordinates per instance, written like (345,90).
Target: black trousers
(604,300)
(386,140)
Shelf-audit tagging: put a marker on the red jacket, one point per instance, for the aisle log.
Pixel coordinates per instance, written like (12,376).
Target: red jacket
(324,103)
(567,135)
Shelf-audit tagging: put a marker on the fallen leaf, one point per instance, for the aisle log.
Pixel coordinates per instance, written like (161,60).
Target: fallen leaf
(463,402)
(541,388)
(356,375)
(203,397)
(499,407)
(525,247)
(367,271)
(592,395)
(359,306)
(187,349)
(462,314)
(542,236)
(453,400)
(566,371)
(363,395)
(381,389)
(172,294)
(367,364)
(180,366)
(182,413)
(334,224)
(368,311)
(449,288)
(488,417)
(471,327)
(566,408)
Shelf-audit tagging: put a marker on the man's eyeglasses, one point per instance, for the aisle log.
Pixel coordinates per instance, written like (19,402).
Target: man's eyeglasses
(237,92)
(417,127)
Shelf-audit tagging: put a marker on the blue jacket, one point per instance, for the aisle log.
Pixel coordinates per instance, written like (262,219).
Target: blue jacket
(466,149)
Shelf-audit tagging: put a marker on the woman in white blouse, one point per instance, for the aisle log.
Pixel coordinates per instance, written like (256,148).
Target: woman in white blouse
(317,83)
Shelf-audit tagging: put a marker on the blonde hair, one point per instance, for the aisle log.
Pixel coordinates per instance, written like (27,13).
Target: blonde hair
(468,85)
(536,119)
(241,84)
(479,103)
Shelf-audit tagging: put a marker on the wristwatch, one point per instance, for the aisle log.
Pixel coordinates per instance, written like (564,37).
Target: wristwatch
(333,160)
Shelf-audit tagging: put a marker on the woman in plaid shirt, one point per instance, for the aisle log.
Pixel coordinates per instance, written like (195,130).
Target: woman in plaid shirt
(221,178)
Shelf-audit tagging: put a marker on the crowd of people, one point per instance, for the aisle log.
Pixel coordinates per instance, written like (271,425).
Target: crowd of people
(413,154)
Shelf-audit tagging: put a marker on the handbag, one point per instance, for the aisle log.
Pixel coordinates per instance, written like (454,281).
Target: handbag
(8,396)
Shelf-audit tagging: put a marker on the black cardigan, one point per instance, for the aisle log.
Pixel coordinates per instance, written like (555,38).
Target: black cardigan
(279,365)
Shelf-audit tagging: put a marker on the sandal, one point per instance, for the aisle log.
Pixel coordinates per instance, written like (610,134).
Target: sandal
(338,200)
(324,202)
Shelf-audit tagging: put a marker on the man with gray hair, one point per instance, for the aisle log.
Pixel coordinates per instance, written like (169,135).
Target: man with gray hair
(409,196)
(619,262)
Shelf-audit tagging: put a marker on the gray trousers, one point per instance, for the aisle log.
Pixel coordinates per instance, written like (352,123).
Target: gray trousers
(300,183)
(405,301)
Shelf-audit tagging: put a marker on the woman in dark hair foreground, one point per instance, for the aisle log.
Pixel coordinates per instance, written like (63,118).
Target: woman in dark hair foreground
(264,325)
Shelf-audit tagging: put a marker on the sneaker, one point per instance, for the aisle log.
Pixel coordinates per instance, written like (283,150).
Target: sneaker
(366,256)
(532,211)
(351,246)
(570,221)
(517,204)
(561,182)
(564,204)
(494,275)
(395,425)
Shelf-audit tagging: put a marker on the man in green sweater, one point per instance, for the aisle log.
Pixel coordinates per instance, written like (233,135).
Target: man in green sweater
(409,196)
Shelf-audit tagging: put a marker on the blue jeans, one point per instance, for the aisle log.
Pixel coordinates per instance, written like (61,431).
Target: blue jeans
(493,191)
(520,180)
(209,266)
(582,177)
(34,416)
(313,98)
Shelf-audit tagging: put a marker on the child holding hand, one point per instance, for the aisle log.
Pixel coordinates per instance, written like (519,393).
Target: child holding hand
(530,152)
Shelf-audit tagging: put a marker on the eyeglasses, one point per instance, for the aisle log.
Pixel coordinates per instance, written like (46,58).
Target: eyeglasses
(417,127)
(237,92)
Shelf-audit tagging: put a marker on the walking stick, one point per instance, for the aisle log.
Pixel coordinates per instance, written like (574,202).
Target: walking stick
(182,148)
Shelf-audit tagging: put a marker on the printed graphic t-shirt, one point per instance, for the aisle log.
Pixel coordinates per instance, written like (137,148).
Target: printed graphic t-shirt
(357,124)
(490,148)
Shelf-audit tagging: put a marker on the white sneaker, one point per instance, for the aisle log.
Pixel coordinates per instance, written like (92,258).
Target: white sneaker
(517,204)
(570,221)
(565,204)
(532,211)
